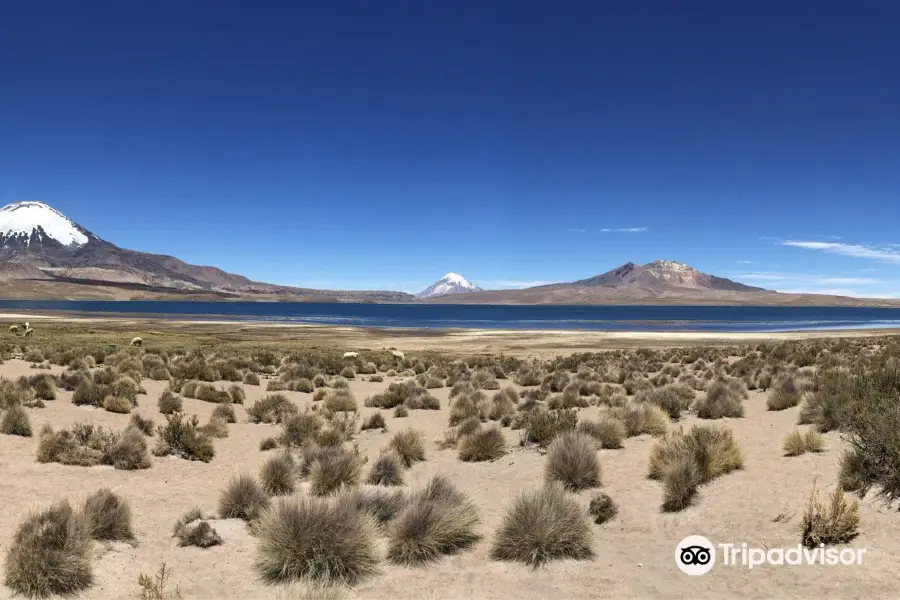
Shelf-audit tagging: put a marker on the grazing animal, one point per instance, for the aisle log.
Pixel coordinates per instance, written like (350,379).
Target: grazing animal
(29,332)
(13,328)
(351,354)
(27,326)
(398,354)
(138,341)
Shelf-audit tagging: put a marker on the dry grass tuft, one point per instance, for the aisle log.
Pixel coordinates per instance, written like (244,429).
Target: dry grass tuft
(387,470)
(243,499)
(436,520)
(315,539)
(15,422)
(50,554)
(797,442)
(834,520)
(279,475)
(543,526)
(409,446)
(486,444)
(108,516)
(572,460)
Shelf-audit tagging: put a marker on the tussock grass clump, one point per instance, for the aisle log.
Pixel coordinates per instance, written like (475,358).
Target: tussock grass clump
(543,526)
(321,540)
(381,504)
(641,418)
(128,452)
(300,428)
(108,516)
(117,404)
(401,411)
(602,508)
(145,426)
(673,400)
(43,385)
(857,473)
(834,520)
(541,427)
(722,400)
(50,554)
(269,443)
(251,378)
(436,520)
(237,394)
(333,470)
(797,442)
(409,446)
(15,422)
(224,412)
(785,393)
(608,433)
(374,421)
(169,402)
(340,400)
(183,437)
(279,475)
(243,499)
(487,444)
(504,403)
(273,408)
(684,461)
(386,470)
(572,460)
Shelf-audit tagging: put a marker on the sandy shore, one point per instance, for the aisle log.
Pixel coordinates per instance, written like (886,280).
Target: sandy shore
(472,341)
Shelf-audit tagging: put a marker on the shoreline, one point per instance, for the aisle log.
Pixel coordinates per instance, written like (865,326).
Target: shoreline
(536,342)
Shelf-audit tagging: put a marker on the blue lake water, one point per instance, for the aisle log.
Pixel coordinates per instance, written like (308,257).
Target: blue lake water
(608,318)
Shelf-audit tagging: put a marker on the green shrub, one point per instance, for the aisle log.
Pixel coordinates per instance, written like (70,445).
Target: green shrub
(183,437)
(274,408)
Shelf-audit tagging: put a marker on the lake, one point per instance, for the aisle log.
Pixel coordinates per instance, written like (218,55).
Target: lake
(609,318)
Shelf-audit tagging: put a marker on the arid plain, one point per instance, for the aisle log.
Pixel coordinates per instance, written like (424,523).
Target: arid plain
(762,501)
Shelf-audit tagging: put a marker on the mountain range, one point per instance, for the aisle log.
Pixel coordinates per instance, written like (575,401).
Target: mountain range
(46,255)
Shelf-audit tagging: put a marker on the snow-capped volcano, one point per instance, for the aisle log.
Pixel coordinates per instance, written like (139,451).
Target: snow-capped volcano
(28,223)
(43,254)
(451,283)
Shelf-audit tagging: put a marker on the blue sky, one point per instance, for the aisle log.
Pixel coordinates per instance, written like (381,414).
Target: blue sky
(355,144)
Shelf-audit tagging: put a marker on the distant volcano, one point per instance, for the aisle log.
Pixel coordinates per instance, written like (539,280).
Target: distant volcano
(451,283)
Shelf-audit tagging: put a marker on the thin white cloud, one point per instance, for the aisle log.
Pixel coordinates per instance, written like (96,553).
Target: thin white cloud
(805,278)
(624,230)
(745,262)
(839,292)
(515,283)
(852,250)
(573,230)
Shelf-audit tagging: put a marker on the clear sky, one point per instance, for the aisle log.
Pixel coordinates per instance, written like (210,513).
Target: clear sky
(361,144)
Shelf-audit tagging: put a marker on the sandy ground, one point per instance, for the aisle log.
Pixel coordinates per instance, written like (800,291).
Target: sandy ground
(634,552)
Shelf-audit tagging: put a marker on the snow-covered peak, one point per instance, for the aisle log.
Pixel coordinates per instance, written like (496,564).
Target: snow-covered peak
(23,219)
(451,283)
(669,265)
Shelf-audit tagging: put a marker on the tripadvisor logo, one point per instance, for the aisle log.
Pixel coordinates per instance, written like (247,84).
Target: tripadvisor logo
(696,555)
